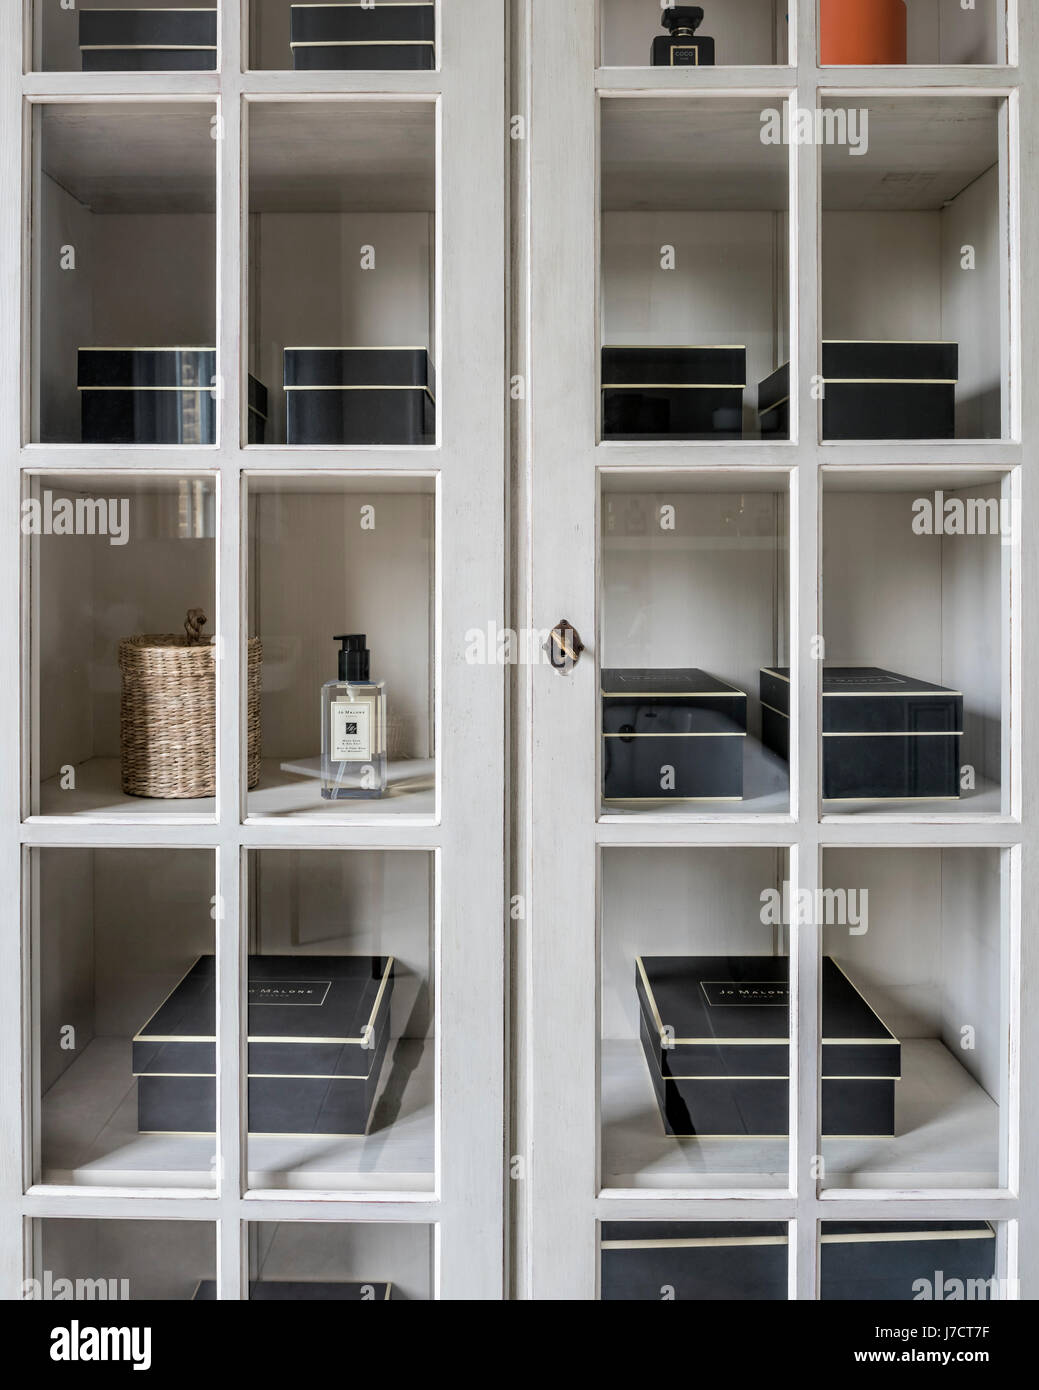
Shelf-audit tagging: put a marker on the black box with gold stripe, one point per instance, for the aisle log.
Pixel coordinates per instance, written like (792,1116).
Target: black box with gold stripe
(693,1261)
(672,734)
(673,392)
(715,1031)
(318,1033)
(907,1261)
(381,36)
(303,1291)
(157,40)
(359,395)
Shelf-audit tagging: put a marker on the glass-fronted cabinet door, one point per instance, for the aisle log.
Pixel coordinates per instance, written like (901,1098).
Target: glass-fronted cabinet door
(775,833)
(253,798)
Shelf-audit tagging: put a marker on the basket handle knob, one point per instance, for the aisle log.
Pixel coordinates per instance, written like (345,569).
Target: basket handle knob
(193,625)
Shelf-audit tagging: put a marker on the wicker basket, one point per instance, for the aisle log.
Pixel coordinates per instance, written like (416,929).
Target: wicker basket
(167,714)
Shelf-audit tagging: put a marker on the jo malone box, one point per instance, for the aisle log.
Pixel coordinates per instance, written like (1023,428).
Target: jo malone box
(874,390)
(693,1261)
(302,1291)
(318,1032)
(673,392)
(903,1261)
(885,736)
(359,395)
(155,395)
(715,1031)
(673,734)
(162,40)
(380,36)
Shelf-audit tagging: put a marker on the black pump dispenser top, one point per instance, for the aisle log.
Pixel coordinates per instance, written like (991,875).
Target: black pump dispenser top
(682,20)
(354,658)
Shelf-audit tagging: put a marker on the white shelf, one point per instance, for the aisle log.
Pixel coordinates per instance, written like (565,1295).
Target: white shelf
(947,1134)
(98,795)
(292,789)
(90,1136)
(985,800)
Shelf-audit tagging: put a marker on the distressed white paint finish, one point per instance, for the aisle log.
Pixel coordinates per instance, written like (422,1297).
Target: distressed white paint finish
(986,963)
(462,828)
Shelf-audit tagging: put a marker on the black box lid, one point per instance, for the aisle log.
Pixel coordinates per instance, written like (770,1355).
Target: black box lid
(674,366)
(382,22)
(158,28)
(137,368)
(666,683)
(639,1234)
(358,367)
(890,361)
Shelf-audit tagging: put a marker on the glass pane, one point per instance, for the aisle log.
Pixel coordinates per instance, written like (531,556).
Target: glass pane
(335,563)
(693,1261)
(915,1034)
(694,606)
(695,1019)
(909,1261)
(915,590)
(341,1025)
(331,1262)
(915,328)
(695,303)
(122,725)
(865,32)
(336,38)
(125,36)
(124,249)
(90,1260)
(114,932)
(730,33)
(342,236)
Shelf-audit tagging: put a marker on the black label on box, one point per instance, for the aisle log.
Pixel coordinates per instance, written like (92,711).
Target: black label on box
(313,992)
(724,994)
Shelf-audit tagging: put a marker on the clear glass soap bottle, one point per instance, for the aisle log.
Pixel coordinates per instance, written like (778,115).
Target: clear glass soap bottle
(353,727)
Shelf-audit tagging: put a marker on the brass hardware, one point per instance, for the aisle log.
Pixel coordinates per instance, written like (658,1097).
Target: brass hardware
(565,646)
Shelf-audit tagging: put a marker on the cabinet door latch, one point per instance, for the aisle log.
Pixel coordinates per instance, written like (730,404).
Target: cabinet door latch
(564,646)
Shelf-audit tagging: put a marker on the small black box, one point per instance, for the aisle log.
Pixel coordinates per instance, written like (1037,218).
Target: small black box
(359,396)
(302,1291)
(886,737)
(673,392)
(156,396)
(318,1032)
(382,36)
(907,1261)
(874,390)
(164,40)
(675,735)
(715,1031)
(693,1261)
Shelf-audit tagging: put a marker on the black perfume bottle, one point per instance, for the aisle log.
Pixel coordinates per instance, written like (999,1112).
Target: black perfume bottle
(682,47)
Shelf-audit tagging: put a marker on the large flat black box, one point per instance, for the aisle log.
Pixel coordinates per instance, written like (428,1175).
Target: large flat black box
(350,37)
(885,736)
(673,734)
(162,40)
(874,390)
(907,1261)
(693,1261)
(673,392)
(301,1290)
(358,396)
(156,395)
(318,1031)
(715,1031)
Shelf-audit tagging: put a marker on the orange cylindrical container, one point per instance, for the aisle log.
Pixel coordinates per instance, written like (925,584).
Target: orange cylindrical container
(861,32)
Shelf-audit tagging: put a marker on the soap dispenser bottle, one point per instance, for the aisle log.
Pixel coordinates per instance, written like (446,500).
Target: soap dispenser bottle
(353,727)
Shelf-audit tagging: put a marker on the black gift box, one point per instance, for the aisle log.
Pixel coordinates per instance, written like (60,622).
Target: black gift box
(907,1261)
(383,36)
(715,1033)
(874,390)
(693,1261)
(166,40)
(318,1031)
(885,736)
(156,396)
(673,392)
(359,395)
(293,1291)
(684,720)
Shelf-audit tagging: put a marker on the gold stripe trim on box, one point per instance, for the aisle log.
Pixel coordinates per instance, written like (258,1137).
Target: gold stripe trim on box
(886,694)
(736,734)
(771,671)
(184,390)
(782,713)
(825,1077)
(362,43)
(674,347)
(766,410)
(690,799)
(264,1075)
(890,381)
(883,1237)
(390,347)
(148,47)
(729,693)
(674,386)
(692,1242)
(173,348)
(892,798)
(901,733)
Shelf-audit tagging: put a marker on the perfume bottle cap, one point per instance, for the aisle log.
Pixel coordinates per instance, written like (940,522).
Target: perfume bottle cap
(682,17)
(354,657)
